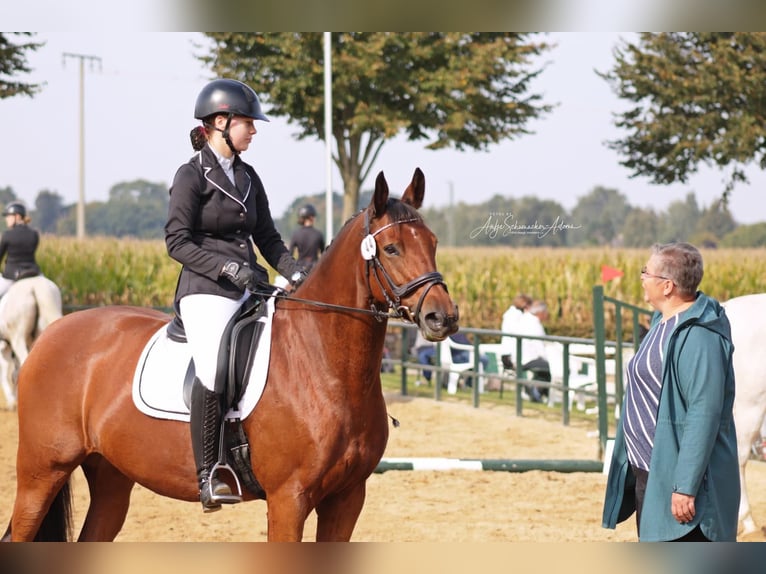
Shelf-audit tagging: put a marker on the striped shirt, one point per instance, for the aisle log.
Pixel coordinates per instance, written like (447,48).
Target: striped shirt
(642,394)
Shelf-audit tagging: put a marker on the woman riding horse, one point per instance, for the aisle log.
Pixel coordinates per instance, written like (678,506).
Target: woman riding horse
(217,205)
(19,243)
(315,435)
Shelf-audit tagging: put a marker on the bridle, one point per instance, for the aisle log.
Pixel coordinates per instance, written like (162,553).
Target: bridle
(392,292)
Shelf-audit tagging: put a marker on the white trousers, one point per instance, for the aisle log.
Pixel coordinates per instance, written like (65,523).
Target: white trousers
(205,317)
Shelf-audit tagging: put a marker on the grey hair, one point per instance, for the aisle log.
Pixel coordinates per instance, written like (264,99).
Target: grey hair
(537,307)
(682,263)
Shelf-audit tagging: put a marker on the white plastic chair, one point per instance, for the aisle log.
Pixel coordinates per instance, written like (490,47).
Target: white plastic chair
(582,374)
(456,370)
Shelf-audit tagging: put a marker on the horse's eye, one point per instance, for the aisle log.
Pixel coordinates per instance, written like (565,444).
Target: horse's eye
(391,249)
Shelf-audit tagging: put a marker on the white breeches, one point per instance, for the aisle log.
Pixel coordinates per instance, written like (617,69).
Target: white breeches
(205,317)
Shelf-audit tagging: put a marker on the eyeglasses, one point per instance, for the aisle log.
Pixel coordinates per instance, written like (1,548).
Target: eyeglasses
(645,273)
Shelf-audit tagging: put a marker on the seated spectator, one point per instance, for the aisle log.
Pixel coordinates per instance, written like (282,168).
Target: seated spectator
(511,319)
(533,350)
(426,351)
(463,355)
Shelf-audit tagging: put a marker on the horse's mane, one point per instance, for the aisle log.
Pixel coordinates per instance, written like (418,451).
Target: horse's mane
(396,209)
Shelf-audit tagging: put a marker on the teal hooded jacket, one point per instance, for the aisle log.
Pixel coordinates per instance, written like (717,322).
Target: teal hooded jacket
(695,443)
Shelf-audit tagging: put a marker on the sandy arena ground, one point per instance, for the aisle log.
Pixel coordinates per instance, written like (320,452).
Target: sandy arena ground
(422,506)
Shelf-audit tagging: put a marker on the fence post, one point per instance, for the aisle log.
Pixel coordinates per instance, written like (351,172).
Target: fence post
(600,342)
(405,358)
(519,376)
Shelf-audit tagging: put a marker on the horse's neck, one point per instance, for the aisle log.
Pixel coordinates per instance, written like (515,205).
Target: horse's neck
(339,278)
(349,341)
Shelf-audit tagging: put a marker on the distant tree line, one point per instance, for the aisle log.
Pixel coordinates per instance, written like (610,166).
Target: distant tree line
(134,209)
(602,217)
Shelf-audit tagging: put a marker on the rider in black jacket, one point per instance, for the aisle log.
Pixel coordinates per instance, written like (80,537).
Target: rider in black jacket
(19,243)
(307,241)
(218,211)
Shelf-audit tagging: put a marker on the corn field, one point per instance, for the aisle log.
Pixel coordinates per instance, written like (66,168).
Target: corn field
(483,281)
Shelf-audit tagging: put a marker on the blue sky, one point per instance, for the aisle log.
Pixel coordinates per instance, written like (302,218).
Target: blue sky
(139,101)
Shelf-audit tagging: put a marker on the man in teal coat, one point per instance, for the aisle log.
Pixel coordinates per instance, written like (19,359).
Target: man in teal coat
(675,452)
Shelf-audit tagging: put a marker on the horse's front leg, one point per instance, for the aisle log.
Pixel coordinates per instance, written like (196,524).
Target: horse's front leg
(287,511)
(337,514)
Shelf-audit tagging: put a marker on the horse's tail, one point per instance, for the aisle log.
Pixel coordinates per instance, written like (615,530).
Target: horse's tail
(57,524)
(49,304)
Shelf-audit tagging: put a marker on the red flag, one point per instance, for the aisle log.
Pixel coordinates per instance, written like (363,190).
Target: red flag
(609,273)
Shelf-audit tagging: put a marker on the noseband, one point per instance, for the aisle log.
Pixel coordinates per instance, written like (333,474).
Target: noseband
(394,293)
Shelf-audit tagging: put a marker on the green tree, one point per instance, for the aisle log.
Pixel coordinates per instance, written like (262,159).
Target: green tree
(601,213)
(537,223)
(640,228)
(746,236)
(465,90)
(7,195)
(679,221)
(13,61)
(48,207)
(697,98)
(715,223)
(288,221)
(135,209)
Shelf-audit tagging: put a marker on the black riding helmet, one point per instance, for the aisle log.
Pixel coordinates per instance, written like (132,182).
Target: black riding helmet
(305,212)
(15,208)
(229,97)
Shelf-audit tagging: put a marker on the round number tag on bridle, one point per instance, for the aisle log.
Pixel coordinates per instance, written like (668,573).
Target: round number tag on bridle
(369,247)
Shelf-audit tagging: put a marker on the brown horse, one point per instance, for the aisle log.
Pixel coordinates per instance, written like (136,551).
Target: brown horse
(317,433)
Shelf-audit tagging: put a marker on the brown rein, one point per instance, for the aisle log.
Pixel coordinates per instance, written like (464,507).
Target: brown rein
(393,294)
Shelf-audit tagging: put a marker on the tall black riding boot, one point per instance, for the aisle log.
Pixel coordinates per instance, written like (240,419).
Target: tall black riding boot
(206,435)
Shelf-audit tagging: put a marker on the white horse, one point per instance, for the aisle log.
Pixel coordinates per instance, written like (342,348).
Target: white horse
(28,307)
(747,315)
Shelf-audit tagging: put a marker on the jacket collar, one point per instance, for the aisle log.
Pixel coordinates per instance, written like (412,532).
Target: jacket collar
(706,312)
(214,174)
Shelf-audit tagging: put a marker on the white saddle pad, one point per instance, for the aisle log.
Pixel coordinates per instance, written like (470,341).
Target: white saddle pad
(159,377)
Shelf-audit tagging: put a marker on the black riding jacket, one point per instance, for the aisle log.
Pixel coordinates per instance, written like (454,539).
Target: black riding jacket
(210,222)
(19,243)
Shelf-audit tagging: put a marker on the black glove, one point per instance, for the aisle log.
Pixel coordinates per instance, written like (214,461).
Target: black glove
(242,277)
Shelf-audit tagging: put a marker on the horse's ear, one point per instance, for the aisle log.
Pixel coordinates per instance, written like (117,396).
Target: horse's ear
(380,197)
(415,191)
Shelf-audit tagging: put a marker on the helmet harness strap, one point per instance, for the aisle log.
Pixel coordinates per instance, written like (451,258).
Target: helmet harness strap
(225,133)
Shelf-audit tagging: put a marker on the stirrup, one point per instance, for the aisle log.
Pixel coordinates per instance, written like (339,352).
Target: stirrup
(224,497)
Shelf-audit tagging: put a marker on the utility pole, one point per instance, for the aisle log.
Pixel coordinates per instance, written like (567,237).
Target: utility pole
(81,197)
(328,133)
(451,216)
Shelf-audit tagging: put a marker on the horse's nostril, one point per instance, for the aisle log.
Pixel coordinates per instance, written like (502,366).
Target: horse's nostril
(435,321)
